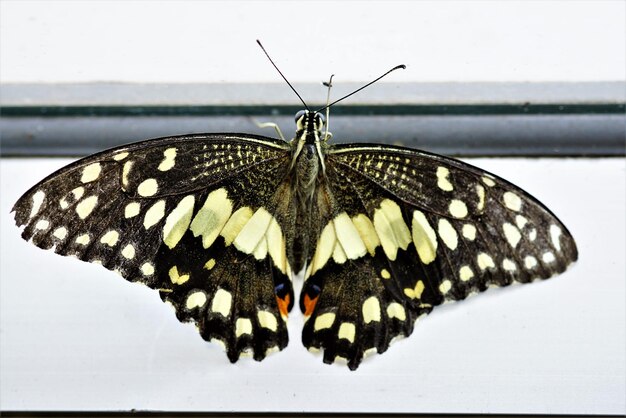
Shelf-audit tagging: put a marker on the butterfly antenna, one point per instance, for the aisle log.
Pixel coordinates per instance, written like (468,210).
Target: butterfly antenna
(397,67)
(328,84)
(281,74)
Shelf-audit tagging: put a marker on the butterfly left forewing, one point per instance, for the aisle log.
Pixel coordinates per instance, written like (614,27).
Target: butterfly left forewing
(175,214)
(435,230)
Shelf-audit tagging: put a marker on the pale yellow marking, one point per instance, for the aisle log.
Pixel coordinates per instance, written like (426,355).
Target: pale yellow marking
(131,210)
(532,234)
(178,221)
(339,255)
(60,233)
(120,156)
(548,257)
(110,238)
(125,171)
(480,191)
(42,224)
(442,179)
(445,286)
(457,208)
(147,269)
(512,201)
(78,192)
(91,172)
(83,239)
(324,321)
(367,232)
(235,224)
(416,292)
(313,350)
(385,274)
(168,162)
(485,261)
(176,277)
(148,188)
(271,350)
(530,262)
(154,214)
(37,201)
(424,238)
(555,236)
(520,221)
(347,331)
(222,302)
(371,310)
(260,252)
(84,208)
(129,252)
(489,182)
(348,236)
(325,247)
(469,232)
(196,300)
(466,273)
(508,265)
(63,203)
(391,228)
(448,234)
(243,326)
(276,246)
(395,310)
(209,264)
(253,232)
(512,234)
(267,320)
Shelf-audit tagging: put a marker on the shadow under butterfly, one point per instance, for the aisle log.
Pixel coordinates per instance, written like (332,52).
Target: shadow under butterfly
(220,223)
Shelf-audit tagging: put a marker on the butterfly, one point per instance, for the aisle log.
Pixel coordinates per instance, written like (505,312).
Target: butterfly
(219,224)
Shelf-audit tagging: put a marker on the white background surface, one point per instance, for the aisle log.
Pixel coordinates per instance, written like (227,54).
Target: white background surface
(75,336)
(457,41)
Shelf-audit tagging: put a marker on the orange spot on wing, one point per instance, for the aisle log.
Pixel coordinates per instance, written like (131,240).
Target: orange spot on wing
(283,305)
(309,304)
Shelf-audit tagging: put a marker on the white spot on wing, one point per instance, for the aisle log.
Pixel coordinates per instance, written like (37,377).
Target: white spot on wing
(222,302)
(395,310)
(392,231)
(169,160)
(424,237)
(60,233)
(148,188)
(508,265)
(512,201)
(548,257)
(442,179)
(530,262)
(485,261)
(147,269)
(91,172)
(84,208)
(324,321)
(457,208)
(196,300)
(178,221)
(129,252)
(469,232)
(445,286)
(347,331)
(131,210)
(42,224)
(267,320)
(512,234)
(448,234)
(243,326)
(371,310)
(176,277)
(555,236)
(37,201)
(466,273)
(110,238)
(348,236)
(83,239)
(154,214)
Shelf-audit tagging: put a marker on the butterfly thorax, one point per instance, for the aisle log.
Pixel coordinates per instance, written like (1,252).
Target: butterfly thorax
(306,174)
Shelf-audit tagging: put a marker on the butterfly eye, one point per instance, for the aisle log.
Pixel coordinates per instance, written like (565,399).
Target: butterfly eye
(299,115)
(320,120)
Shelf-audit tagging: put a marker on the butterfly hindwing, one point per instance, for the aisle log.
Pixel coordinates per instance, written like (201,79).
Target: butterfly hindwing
(430,230)
(175,215)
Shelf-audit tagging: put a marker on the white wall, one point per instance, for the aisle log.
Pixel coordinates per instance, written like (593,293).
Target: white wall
(193,41)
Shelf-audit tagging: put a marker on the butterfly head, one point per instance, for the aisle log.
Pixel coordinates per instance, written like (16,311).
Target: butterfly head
(309,125)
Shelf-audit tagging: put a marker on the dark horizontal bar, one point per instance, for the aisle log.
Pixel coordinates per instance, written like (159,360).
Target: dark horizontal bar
(493,135)
(340,110)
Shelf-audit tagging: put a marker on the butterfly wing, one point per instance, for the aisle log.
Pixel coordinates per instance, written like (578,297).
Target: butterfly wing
(197,217)
(405,231)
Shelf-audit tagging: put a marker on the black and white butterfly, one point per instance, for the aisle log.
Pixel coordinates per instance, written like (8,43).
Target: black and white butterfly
(220,223)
